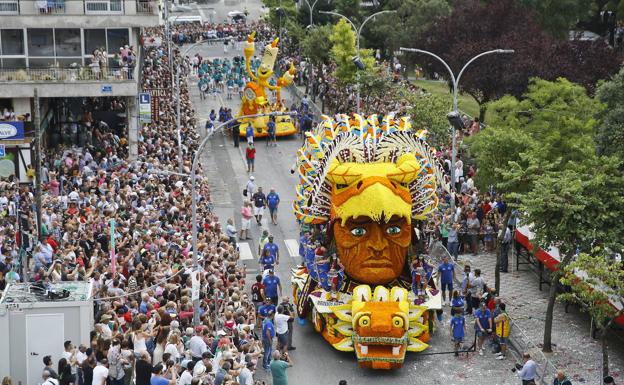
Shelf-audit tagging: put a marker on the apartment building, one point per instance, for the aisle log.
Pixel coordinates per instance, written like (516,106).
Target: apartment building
(74,53)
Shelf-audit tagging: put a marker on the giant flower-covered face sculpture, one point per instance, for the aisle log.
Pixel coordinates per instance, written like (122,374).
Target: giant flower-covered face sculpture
(370,251)
(370,179)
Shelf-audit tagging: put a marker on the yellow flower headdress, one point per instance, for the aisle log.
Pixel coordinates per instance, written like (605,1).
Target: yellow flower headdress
(373,167)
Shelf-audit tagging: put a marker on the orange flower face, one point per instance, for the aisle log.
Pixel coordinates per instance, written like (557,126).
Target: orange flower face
(373,252)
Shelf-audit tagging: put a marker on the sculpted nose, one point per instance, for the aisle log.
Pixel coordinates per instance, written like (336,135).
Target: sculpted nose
(376,240)
(381,327)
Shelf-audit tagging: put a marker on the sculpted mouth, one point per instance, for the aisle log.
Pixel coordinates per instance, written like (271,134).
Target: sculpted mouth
(377,263)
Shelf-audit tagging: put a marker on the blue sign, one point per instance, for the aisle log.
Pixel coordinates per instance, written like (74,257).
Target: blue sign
(11,130)
(144,98)
(2,151)
(107,89)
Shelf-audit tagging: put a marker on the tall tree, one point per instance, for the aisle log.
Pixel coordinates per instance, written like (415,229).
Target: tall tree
(550,128)
(558,17)
(573,209)
(316,44)
(610,132)
(413,17)
(596,281)
(344,49)
(475,26)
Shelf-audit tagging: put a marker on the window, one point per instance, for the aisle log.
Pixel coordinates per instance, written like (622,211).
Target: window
(116,38)
(40,42)
(41,63)
(13,63)
(12,42)
(94,39)
(67,42)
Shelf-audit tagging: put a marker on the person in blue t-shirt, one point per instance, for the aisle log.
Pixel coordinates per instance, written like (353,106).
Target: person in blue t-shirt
(267,260)
(268,333)
(272,285)
(446,275)
(273,200)
(158,377)
(271,138)
(273,249)
(457,303)
(483,325)
(249,133)
(458,330)
(304,240)
(266,308)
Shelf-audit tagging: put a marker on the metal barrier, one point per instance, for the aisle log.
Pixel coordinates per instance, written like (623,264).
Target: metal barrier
(61,75)
(521,343)
(95,7)
(143,6)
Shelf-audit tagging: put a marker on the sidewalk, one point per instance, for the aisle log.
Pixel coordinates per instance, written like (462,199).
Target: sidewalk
(574,350)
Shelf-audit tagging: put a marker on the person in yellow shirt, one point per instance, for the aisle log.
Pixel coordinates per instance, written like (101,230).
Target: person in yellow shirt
(502,331)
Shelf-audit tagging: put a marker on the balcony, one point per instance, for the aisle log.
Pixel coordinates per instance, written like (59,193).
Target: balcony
(80,7)
(84,74)
(70,82)
(9,7)
(103,7)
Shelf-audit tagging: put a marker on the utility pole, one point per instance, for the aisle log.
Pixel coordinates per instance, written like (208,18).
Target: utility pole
(179,95)
(37,142)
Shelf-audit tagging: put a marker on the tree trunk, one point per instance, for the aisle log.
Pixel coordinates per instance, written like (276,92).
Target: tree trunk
(605,351)
(552,296)
(482,110)
(499,244)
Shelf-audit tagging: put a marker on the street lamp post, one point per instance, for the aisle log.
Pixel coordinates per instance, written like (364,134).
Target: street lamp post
(455,111)
(311,77)
(193,176)
(357,43)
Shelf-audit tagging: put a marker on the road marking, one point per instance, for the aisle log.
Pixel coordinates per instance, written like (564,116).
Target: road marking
(245,251)
(293,247)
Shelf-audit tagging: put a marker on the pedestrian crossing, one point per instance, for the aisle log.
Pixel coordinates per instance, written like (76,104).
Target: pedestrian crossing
(245,251)
(292,245)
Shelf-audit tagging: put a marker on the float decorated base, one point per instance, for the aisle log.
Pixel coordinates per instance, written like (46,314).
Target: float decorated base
(379,324)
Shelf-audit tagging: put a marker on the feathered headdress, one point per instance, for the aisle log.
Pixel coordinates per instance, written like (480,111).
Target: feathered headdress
(366,166)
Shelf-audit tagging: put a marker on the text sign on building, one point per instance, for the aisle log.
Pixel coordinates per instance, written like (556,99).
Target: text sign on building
(145,107)
(11,130)
(107,89)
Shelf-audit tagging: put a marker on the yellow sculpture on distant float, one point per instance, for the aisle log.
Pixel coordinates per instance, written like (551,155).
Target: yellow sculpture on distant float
(255,99)
(365,182)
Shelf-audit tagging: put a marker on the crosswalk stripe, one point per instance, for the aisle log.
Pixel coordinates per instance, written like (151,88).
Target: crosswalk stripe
(245,251)
(293,247)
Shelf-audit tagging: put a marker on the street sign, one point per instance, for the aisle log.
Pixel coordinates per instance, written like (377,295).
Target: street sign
(107,89)
(2,151)
(145,107)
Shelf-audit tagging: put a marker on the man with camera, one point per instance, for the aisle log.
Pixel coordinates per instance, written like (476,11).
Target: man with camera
(528,371)
(279,364)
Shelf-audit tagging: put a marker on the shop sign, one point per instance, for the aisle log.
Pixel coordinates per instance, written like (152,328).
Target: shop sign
(11,130)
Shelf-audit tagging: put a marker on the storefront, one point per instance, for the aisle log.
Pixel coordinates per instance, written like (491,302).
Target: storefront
(15,149)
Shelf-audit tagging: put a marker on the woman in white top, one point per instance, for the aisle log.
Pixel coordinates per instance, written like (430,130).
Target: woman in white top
(174,347)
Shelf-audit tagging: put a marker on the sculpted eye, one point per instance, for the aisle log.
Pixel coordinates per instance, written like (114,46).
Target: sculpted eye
(358,231)
(364,321)
(397,321)
(393,230)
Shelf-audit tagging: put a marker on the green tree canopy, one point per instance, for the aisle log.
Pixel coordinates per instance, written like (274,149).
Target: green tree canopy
(317,44)
(558,17)
(344,49)
(610,131)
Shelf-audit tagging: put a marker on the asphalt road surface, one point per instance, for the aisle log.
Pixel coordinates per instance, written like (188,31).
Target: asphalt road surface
(316,363)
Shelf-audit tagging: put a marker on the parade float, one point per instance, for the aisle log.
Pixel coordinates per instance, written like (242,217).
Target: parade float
(255,99)
(364,184)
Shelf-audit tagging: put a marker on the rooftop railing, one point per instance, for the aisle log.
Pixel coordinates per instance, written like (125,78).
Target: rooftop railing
(82,74)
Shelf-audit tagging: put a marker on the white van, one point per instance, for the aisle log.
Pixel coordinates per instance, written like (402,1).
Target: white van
(186,20)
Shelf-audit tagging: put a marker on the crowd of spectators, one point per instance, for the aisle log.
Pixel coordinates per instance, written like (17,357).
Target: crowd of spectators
(143,305)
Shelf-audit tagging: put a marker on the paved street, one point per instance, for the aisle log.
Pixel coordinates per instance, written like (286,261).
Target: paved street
(315,361)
